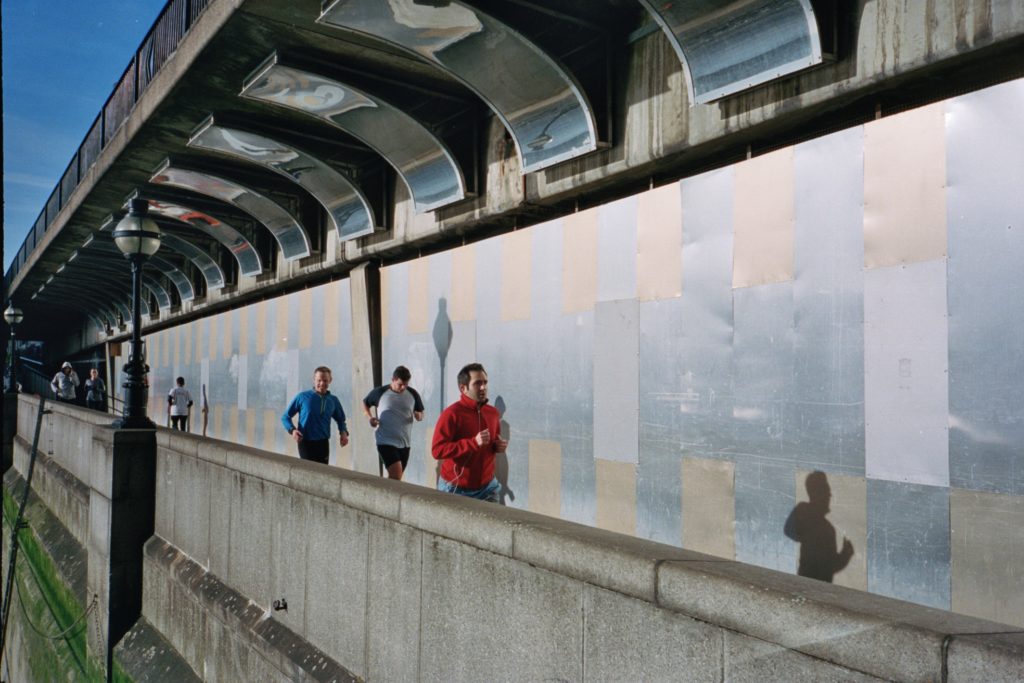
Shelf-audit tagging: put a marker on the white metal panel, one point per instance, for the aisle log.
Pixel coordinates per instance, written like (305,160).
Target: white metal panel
(905,374)
(616,380)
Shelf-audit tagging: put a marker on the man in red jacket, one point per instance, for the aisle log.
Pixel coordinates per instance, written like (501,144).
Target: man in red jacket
(466,438)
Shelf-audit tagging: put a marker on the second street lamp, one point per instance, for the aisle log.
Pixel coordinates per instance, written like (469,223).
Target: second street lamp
(13,316)
(138,237)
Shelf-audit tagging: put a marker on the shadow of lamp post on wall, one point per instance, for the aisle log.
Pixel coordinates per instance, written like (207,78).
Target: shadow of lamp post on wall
(138,238)
(13,316)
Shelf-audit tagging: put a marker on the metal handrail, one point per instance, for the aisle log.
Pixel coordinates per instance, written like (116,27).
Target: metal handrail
(172,24)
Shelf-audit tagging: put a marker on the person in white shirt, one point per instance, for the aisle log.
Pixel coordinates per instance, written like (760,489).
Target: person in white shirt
(179,405)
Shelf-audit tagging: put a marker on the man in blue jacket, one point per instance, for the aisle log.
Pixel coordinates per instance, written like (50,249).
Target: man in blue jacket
(316,408)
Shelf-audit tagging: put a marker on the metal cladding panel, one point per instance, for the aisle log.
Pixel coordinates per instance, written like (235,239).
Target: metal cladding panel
(421,159)
(177,278)
(826,413)
(163,299)
(207,266)
(765,496)
(616,250)
(248,258)
(346,206)
(909,542)
(616,380)
(728,49)
(906,404)
(985,150)
(540,103)
(290,236)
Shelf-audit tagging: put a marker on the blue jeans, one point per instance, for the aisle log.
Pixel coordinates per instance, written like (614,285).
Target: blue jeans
(488,493)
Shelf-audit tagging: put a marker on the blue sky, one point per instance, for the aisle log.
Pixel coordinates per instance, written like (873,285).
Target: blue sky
(61,60)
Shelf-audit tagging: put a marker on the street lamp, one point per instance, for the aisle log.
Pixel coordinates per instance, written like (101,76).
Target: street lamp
(13,316)
(138,237)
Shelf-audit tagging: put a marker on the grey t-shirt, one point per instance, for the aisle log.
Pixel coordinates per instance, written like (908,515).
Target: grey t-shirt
(395,412)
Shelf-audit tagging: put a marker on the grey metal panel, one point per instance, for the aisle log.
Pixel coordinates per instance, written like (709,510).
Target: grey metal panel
(908,551)
(616,380)
(182,283)
(421,159)
(616,250)
(248,258)
(728,49)
(765,495)
(825,420)
(906,388)
(207,266)
(686,352)
(985,174)
(540,103)
(346,206)
(290,236)
(764,348)
(163,299)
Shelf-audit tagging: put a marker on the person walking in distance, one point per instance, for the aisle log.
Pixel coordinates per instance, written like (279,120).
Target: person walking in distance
(316,408)
(397,405)
(467,437)
(64,383)
(179,405)
(95,391)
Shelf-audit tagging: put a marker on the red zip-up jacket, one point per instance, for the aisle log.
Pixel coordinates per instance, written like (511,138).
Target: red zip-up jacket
(463,463)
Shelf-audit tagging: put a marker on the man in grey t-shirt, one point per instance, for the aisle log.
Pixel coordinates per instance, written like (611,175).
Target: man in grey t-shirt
(397,406)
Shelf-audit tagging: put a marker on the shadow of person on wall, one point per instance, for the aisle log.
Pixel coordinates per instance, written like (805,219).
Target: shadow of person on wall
(443,335)
(501,459)
(807,526)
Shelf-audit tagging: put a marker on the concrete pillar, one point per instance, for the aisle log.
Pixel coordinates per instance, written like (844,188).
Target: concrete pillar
(121,509)
(364,282)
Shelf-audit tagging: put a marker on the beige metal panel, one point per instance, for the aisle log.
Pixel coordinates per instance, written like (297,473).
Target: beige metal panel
(251,418)
(385,300)
(281,341)
(418,306)
(987,553)
(616,496)
(764,220)
(463,300)
(261,327)
(331,314)
(659,244)
(218,421)
(232,424)
(904,188)
(243,331)
(215,323)
(271,423)
(545,477)
(579,261)
(848,515)
(186,355)
(227,333)
(709,506)
(197,326)
(165,348)
(516,275)
(305,318)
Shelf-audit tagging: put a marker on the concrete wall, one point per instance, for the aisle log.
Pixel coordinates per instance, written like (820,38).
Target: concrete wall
(395,582)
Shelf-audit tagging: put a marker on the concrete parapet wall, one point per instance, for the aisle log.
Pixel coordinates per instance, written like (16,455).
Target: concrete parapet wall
(394,582)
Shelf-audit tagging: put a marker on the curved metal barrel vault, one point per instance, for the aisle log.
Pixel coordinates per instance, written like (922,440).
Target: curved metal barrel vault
(422,160)
(290,235)
(543,107)
(346,206)
(249,261)
(104,243)
(729,47)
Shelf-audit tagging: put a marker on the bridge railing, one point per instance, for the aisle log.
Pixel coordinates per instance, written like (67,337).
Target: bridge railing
(173,23)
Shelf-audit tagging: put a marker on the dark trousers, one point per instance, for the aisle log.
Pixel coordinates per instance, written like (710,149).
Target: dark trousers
(317,451)
(96,405)
(180,422)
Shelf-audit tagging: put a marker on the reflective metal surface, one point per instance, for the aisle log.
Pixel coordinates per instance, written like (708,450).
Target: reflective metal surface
(290,236)
(184,286)
(249,262)
(421,159)
(726,49)
(540,103)
(345,204)
(163,299)
(207,266)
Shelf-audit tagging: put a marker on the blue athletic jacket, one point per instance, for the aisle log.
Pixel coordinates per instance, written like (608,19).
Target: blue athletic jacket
(315,413)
